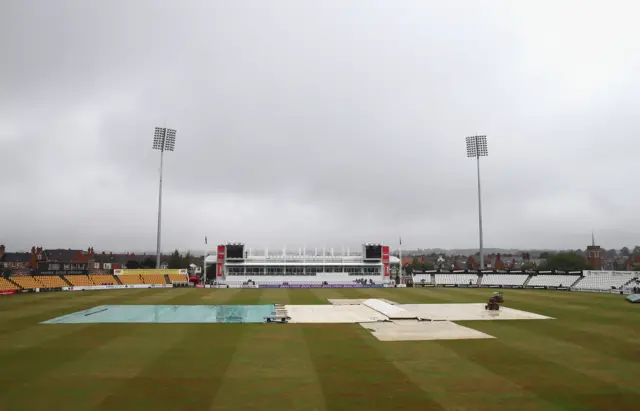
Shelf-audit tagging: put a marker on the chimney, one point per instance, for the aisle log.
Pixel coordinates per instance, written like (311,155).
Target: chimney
(34,258)
(1,251)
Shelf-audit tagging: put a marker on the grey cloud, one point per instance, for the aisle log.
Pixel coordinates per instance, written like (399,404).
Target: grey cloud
(318,123)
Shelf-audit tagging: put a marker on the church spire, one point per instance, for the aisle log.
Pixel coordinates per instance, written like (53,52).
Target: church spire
(593,238)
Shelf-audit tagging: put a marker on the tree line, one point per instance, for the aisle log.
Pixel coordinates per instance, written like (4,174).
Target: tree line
(176,261)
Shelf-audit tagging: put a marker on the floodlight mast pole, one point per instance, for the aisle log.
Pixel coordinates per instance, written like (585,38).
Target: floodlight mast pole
(479,207)
(164,140)
(159,239)
(477,147)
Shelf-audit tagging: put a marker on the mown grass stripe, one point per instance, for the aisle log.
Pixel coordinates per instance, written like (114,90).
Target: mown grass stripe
(185,375)
(455,382)
(270,370)
(561,385)
(581,355)
(31,363)
(354,376)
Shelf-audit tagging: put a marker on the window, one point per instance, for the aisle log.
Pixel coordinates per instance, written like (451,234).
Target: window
(235,270)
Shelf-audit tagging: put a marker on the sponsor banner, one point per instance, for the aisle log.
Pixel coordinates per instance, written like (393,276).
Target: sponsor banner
(220,262)
(29,291)
(385,260)
(7,292)
(62,272)
(119,287)
(160,285)
(401,286)
(149,271)
(98,287)
(385,253)
(322,286)
(587,273)
(221,253)
(46,290)
(150,286)
(200,286)
(66,288)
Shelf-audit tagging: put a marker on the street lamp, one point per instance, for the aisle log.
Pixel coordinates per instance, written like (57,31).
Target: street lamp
(477,147)
(164,139)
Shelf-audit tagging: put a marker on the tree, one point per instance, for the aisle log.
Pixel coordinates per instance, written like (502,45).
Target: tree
(148,263)
(410,268)
(176,260)
(133,265)
(636,250)
(624,251)
(427,266)
(566,261)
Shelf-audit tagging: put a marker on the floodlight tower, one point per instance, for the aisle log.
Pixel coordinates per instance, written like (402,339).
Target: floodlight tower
(164,139)
(477,147)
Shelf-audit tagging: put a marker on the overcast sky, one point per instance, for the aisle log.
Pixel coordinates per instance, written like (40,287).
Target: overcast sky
(319,123)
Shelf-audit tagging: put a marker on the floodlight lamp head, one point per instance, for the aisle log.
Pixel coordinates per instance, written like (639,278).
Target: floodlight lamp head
(477,146)
(164,139)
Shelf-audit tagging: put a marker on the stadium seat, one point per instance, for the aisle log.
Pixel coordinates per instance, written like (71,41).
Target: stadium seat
(178,278)
(26,281)
(602,281)
(456,278)
(78,280)
(130,279)
(417,279)
(544,280)
(102,279)
(52,281)
(6,285)
(153,279)
(513,280)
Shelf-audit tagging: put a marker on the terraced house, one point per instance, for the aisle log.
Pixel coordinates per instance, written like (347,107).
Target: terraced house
(19,261)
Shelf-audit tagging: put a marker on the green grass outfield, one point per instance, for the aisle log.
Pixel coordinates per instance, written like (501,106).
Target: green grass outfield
(586,359)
